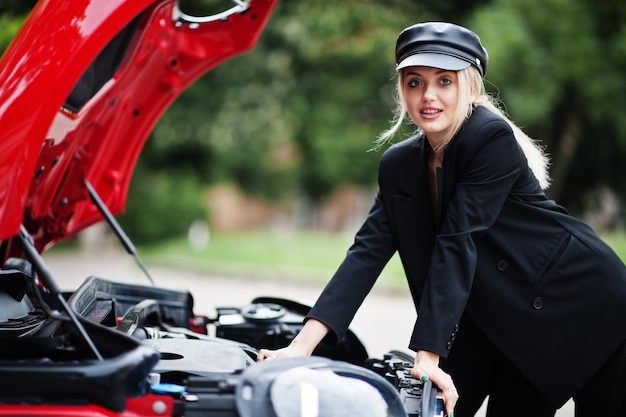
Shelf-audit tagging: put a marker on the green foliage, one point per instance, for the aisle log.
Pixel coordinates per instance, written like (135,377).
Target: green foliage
(16,7)
(9,26)
(12,16)
(559,69)
(162,206)
(344,62)
(551,60)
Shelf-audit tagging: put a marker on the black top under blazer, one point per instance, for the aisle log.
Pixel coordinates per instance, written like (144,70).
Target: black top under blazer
(539,283)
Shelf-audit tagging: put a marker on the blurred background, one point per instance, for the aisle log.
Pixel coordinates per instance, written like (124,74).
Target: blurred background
(264,166)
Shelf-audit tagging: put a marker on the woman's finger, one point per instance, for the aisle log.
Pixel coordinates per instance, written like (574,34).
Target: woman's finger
(264,354)
(450,397)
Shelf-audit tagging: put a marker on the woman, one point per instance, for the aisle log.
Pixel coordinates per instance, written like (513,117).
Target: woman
(516,299)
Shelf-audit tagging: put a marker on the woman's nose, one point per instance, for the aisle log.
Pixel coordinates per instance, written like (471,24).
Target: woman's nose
(429,93)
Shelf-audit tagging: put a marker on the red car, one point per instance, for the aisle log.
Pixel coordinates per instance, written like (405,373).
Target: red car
(81,87)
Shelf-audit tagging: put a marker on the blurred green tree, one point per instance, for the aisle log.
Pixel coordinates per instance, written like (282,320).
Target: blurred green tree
(560,70)
(12,15)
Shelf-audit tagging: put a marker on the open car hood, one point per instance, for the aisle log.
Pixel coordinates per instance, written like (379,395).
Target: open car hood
(82,86)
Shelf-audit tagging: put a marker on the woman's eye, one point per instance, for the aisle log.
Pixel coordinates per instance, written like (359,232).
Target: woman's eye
(413,83)
(446,81)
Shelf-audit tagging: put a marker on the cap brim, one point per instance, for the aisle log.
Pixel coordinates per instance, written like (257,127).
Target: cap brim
(428,59)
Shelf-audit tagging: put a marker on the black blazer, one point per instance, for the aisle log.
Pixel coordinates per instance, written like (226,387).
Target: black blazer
(540,283)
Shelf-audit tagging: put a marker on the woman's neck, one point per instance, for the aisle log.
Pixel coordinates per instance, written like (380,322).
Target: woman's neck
(437,147)
(436,157)
(438,141)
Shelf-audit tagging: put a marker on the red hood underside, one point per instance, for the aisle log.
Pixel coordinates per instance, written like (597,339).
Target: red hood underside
(81,88)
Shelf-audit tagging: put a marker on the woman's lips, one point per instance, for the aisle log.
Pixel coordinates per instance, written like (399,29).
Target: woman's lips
(430,113)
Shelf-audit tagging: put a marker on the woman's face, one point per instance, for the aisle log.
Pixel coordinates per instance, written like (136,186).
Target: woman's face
(431,97)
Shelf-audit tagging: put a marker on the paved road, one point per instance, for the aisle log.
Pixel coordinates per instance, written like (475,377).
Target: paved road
(383,323)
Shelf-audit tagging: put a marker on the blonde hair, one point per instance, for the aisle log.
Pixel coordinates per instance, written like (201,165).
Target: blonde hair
(471,94)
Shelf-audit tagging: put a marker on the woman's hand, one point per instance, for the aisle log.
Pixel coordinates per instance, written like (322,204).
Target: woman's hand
(290,351)
(427,367)
(303,344)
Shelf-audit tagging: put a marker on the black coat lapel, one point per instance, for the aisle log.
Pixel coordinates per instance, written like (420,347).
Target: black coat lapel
(413,216)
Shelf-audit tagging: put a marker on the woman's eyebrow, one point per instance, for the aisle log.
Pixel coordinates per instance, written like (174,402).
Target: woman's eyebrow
(415,72)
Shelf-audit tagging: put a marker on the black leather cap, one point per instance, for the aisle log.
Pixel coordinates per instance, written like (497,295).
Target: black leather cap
(440,45)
